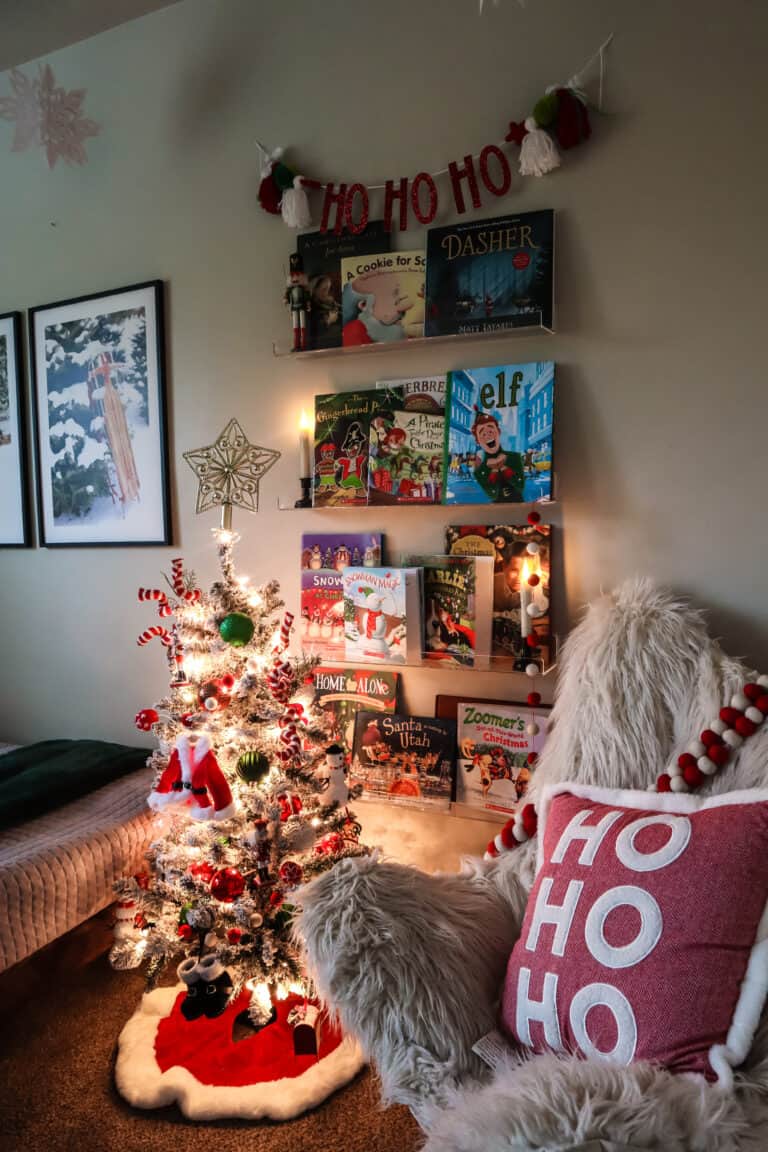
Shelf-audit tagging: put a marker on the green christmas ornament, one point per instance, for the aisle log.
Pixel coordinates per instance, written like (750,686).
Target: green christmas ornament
(283,176)
(545,110)
(236,629)
(252,767)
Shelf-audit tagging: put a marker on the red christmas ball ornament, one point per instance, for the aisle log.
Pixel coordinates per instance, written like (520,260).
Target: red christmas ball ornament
(686,761)
(276,898)
(534,518)
(234,934)
(291,873)
(532,640)
(708,737)
(146,718)
(226,682)
(227,884)
(532,757)
(745,727)
(762,704)
(530,820)
(185,932)
(202,871)
(664,783)
(534,699)
(753,692)
(693,776)
(142,879)
(729,716)
(719,754)
(534,579)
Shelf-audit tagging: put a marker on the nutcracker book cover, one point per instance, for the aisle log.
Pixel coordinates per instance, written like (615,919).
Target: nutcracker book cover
(498,446)
(404,759)
(342,432)
(322,253)
(490,275)
(382,297)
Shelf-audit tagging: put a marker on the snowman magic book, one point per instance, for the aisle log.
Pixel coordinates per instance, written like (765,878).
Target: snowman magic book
(498,444)
(382,615)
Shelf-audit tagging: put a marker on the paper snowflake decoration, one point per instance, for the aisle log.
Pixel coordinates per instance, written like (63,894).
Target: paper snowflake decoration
(47,116)
(229,471)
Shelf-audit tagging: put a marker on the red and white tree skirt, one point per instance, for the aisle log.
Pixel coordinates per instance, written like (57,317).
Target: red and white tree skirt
(164,1059)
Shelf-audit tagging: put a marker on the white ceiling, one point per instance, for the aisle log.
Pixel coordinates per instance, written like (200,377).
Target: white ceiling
(32,28)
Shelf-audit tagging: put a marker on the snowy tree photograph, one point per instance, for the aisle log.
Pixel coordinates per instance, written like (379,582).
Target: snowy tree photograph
(98,385)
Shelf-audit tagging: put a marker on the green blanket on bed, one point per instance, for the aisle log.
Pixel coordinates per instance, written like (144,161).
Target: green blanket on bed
(40,777)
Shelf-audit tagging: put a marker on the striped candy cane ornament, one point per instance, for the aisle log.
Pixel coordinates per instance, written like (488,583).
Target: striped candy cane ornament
(156,594)
(148,634)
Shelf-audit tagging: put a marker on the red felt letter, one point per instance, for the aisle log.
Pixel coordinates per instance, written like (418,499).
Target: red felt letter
(361,191)
(339,199)
(428,216)
(503,187)
(466,173)
(389,197)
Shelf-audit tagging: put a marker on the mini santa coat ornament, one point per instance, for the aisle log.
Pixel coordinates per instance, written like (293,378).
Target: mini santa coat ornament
(333,776)
(194,779)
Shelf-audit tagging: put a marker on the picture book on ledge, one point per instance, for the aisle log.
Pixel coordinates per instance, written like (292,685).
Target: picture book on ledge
(342,432)
(343,692)
(321,254)
(323,557)
(382,297)
(490,275)
(498,446)
(405,463)
(457,606)
(496,755)
(404,759)
(518,551)
(382,615)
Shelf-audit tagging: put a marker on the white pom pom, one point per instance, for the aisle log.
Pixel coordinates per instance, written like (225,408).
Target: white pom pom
(499,843)
(295,206)
(732,739)
(532,549)
(718,726)
(675,770)
(487,856)
(707,766)
(531,670)
(530,124)
(754,714)
(532,729)
(538,154)
(696,748)
(535,610)
(519,834)
(678,784)
(739,700)
(763,681)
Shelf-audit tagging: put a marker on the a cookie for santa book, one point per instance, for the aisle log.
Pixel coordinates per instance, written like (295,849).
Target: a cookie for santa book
(342,431)
(521,612)
(405,461)
(343,692)
(491,275)
(498,446)
(322,253)
(382,297)
(496,754)
(457,608)
(382,615)
(324,555)
(404,759)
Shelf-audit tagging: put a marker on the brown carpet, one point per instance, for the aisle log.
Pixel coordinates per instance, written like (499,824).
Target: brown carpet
(57,1093)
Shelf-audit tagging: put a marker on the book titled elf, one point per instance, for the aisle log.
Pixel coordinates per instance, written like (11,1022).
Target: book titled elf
(343,692)
(457,608)
(405,462)
(518,551)
(404,759)
(324,555)
(490,275)
(498,445)
(342,431)
(382,297)
(496,754)
(382,614)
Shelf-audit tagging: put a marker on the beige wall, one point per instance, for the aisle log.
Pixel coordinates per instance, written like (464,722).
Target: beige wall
(662,251)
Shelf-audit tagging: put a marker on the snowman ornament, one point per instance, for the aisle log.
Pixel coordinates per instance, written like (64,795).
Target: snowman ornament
(334,776)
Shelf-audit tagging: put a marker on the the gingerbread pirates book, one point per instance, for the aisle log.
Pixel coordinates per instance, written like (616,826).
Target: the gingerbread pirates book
(342,430)
(404,759)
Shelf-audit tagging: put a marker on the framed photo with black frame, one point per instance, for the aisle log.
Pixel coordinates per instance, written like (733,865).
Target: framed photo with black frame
(15,528)
(99,399)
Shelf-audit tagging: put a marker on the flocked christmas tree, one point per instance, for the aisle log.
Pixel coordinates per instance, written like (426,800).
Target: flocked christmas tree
(250,801)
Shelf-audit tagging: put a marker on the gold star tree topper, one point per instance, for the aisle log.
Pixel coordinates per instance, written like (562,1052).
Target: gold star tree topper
(229,472)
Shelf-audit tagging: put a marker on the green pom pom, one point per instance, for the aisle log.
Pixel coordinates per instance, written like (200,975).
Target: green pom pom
(283,176)
(252,767)
(237,629)
(545,110)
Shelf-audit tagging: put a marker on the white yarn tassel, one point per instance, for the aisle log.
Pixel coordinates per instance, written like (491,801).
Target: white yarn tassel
(295,206)
(538,152)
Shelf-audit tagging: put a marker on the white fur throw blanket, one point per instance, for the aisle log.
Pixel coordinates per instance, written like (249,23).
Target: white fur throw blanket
(413,964)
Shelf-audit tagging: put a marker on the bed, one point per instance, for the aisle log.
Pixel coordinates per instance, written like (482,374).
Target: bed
(59,869)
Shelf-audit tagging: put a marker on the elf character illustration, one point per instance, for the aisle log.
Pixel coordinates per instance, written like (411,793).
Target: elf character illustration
(500,473)
(297,297)
(194,780)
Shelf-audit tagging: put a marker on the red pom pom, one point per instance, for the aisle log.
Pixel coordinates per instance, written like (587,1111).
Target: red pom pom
(275,898)
(693,776)
(185,932)
(664,783)
(729,716)
(534,518)
(233,935)
(534,579)
(227,681)
(708,738)
(530,820)
(572,119)
(762,704)
(491,848)
(534,699)
(270,195)
(532,640)
(745,727)
(517,132)
(507,838)
(753,691)
(532,757)
(686,760)
(718,754)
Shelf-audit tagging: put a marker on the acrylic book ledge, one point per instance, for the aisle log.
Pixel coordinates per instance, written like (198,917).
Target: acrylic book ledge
(495,664)
(415,343)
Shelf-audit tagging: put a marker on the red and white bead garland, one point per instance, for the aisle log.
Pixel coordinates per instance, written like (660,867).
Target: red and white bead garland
(704,757)
(725,735)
